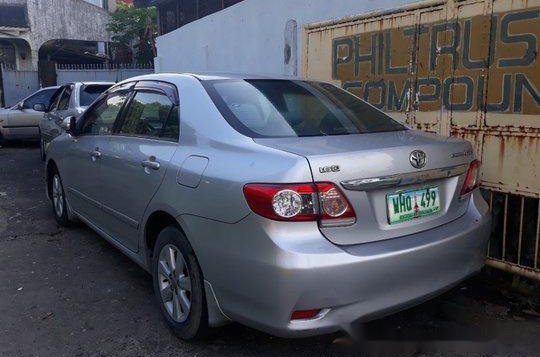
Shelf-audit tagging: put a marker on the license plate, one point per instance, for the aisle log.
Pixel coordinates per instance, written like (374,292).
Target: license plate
(408,205)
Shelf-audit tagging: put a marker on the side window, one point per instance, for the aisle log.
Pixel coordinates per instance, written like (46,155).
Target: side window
(63,104)
(172,126)
(147,115)
(41,97)
(53,103)
(99,120)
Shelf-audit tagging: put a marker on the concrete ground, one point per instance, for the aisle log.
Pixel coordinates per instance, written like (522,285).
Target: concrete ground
(66,292)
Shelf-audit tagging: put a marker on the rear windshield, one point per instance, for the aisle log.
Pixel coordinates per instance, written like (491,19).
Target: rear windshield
(90,93)
(289,108)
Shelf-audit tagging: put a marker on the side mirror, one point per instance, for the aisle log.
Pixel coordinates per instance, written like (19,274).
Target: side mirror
(69,124)
(39,107)
(20,106)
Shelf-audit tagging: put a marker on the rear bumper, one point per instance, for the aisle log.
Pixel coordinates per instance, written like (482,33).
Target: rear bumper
(282,268)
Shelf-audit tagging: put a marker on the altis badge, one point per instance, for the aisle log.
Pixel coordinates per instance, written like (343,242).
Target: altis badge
(327,169)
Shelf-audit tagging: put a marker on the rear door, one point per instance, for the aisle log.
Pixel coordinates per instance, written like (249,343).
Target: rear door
(136,159)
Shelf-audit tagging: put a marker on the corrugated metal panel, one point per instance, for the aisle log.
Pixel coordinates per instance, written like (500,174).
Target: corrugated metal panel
(462,68)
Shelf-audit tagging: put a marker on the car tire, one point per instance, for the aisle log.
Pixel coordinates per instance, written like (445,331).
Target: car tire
(58,199)
(179,285)
(42,149)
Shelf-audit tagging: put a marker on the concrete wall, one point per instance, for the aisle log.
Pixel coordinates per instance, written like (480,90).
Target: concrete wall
(251,35)
(58,19)
(68,20)
(98,3)
(110,3)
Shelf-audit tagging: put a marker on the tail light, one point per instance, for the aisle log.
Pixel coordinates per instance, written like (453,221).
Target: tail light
(471,178)
(305,314)
(321,201)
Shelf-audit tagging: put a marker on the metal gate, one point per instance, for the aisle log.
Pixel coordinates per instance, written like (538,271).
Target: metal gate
(16,85)
(98,72)
(461,68)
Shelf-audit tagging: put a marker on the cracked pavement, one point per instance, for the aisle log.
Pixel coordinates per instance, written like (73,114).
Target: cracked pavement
(67,292)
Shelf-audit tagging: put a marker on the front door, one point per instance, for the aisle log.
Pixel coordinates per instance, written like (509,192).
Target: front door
(135,162)
(23,120)
(84,159)
(22,123)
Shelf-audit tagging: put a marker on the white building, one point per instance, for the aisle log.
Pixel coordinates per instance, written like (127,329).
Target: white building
(257,36)
(28,26)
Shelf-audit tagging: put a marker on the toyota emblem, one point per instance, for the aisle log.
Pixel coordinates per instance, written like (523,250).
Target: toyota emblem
(418,159)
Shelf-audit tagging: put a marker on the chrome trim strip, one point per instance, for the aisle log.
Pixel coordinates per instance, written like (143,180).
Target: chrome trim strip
(122,217)
(409,178)
(462,153)
(84,197)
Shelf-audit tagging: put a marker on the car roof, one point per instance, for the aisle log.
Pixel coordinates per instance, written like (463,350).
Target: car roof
(208,76)
(96,83)
(89,83)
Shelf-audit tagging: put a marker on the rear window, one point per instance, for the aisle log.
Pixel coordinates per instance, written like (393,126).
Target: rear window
(288,108)
(89,93)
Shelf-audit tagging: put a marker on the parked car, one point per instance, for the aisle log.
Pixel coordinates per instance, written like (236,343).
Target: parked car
(21,121)
(291,206)
(69,100)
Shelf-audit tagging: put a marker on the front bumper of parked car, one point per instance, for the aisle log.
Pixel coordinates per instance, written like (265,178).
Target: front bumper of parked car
(263,271)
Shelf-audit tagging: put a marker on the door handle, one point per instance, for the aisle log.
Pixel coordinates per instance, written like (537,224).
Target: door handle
(96,154)
(151,164)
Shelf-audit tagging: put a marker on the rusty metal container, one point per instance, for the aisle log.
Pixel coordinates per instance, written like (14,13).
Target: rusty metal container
(461,68)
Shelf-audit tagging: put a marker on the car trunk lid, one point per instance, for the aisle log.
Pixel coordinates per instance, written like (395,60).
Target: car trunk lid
(372,169)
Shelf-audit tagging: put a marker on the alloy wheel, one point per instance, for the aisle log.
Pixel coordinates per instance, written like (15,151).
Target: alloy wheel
(174,283)
(58,196)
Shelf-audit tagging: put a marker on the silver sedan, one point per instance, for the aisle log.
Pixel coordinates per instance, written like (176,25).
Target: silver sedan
(69,100)
(21,121)
(288,205)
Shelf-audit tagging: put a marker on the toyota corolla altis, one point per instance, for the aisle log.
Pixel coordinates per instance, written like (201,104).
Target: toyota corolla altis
(288,205)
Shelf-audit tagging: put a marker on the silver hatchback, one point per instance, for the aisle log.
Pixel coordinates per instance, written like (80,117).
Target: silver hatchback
(288,205)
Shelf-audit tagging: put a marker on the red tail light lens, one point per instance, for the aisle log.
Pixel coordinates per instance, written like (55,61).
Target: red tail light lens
(305,314)
(295,202)
(471,178)
(334,206)
(300,202)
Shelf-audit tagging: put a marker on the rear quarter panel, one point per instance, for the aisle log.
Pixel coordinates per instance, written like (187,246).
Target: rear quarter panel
(233,161)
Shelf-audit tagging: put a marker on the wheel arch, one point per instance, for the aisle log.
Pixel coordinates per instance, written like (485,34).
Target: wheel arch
(154,224)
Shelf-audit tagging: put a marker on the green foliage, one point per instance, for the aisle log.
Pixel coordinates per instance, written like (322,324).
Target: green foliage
(137,27)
